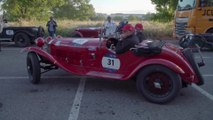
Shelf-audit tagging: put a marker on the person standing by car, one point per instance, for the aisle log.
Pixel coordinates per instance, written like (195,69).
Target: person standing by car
(109,27)
(51,24)
(139,32)
(128,39)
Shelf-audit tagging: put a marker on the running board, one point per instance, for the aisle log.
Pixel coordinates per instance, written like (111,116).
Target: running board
(105,75)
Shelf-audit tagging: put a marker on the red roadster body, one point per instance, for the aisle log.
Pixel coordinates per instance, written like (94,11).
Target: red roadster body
(161,69)
(90,32)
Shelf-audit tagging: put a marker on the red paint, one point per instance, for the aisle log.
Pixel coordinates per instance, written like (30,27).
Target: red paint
(87,58)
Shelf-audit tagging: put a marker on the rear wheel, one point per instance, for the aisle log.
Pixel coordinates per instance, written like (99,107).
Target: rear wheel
(158,84)
(22,40)
(209,31)
(33,68)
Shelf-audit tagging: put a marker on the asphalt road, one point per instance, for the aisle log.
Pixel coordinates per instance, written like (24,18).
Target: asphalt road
(62,96)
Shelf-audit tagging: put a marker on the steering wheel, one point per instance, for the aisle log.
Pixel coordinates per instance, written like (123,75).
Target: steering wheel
(111,42)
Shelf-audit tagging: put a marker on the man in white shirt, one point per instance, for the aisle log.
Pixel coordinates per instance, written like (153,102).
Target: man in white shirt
(109,27)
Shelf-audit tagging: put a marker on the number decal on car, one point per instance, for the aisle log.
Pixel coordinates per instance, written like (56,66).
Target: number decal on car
(110,62)
(80,41)
(9,32)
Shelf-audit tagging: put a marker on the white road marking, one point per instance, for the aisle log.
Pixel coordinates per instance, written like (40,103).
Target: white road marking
(208,75)
(76,105)
(208,95)
(77,101)
(203,57)
(10,49)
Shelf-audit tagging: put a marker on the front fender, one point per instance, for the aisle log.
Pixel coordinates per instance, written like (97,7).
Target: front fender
(163,62)
(45,55)
(26,32)
(41,52)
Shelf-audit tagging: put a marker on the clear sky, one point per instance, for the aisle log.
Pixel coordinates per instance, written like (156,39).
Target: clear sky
(123,6)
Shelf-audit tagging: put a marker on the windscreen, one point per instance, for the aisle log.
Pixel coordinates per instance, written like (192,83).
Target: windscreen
(186,4)
(206,3)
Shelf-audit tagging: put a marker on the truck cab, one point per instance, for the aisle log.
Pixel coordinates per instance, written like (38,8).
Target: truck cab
(193,17)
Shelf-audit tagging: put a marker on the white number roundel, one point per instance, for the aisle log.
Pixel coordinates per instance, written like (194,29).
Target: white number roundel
(110,63)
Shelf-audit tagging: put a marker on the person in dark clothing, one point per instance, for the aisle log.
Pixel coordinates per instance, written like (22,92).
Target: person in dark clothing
(51,24)
(128,39)
(41,31)
(139,32)
(121,25)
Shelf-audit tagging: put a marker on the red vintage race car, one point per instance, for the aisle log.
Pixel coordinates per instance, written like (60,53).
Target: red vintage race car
(161,69)
(87,32)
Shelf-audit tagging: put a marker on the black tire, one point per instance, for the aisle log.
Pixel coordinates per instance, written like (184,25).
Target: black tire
(33,68)
(158,84)
(209,31)
(22,40)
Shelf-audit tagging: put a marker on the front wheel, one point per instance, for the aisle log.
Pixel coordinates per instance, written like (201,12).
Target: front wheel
(158,84)
(33,68)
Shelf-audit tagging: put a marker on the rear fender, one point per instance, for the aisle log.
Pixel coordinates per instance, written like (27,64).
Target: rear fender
(25,32)
(163,62)
(78,33)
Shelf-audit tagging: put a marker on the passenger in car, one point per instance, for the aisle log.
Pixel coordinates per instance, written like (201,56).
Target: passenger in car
(128,39)
(139,32)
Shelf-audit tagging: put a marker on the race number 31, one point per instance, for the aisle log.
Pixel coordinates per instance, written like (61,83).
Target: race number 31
(110,63)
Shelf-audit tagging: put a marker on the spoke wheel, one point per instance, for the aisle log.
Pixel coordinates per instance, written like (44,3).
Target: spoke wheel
(33,68)
(158,84)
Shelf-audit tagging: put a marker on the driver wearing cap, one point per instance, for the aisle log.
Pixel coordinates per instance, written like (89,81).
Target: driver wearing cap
(128,39)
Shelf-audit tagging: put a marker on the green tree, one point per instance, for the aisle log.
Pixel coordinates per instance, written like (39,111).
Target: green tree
(99,17)
(165,9)
(118,18)
(75,9)
(148,16)
(132,18)
(29,9)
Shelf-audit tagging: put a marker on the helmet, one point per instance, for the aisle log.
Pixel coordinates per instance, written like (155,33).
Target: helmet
(139,26)
(128,27)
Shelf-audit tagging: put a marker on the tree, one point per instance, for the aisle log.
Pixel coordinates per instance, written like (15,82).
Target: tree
(43,9)
(165,9)
(29,9)
(99,17)
(132,18)
(75,9)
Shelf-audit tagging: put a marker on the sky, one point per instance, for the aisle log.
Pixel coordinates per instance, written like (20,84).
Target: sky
(123,6)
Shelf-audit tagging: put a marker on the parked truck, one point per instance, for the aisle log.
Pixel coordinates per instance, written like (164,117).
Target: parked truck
(193,17)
